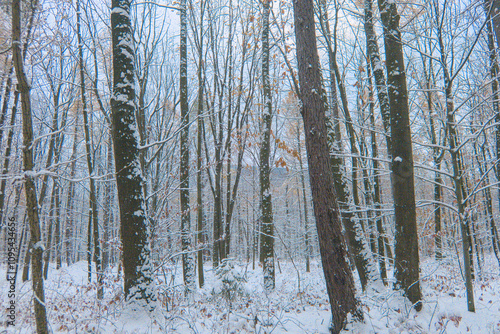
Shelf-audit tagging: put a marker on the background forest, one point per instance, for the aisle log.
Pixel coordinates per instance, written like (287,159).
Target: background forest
(226,208)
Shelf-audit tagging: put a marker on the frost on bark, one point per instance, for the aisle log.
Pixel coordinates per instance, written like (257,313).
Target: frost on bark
(267,227)
(406,248)
(138,275)
(338,276)
(188,269)
(29,183)
(378,70)
(354,235)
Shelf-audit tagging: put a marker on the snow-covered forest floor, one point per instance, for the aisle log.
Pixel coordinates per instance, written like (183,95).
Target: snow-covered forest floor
(245,308)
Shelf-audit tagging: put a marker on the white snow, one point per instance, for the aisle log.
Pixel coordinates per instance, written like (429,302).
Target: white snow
(294,307)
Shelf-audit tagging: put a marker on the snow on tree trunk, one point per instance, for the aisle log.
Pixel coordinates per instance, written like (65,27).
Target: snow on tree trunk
(29,183)
(267,227)
(138,274)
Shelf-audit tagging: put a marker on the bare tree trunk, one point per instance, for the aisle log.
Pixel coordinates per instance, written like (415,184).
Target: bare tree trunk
(188,269)
(458,176)
(378,71)
(108,208)
(6,100)
(354,237)
(267,236)
(304,198)
(199,157)
(494,72)
(407,258)
(7,155)
(377,192)
(138,275)
(338,276)
(29,186)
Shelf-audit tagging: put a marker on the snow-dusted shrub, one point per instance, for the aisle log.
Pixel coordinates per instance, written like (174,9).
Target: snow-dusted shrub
(229,283)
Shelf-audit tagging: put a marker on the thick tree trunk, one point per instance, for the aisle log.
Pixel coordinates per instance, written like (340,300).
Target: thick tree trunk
(354,237)
(373,53)
(138,275)
(29,186)
(338,276)
(407,257)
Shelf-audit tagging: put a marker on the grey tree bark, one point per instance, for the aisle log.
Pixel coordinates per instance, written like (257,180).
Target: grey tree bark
(406,250)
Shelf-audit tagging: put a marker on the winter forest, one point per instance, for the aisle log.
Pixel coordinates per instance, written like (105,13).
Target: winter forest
(249,166)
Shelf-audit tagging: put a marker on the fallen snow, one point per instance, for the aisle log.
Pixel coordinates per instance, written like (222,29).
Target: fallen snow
(72,306)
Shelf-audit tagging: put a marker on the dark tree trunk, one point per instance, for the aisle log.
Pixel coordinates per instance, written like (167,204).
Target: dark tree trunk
(138,275)
(406,257)
(338,276)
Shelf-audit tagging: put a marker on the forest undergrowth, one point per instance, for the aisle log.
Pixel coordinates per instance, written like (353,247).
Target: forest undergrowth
(233,300)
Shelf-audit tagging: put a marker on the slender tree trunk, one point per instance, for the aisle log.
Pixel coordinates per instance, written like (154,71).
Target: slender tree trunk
(93,225)
(50,228)
(138,275)
(29,185)
(267,236)
(199,157)
(458,174)
(407,257)
(6,100)
(338,276)
(377,192)
(107,218)
(304,198)
(7,155)
(188,269)
(70,229)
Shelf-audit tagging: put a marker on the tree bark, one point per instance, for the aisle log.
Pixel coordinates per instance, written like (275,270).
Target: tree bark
(458,173)
(138,274)
(338,276)
(188,269)
(267,227)
(402,176)
(354,237)
(29,185)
